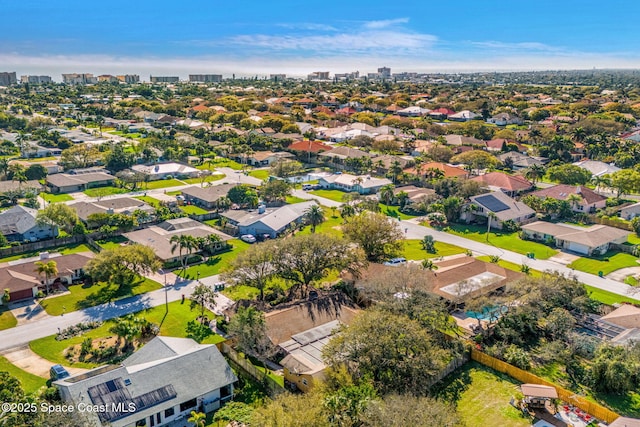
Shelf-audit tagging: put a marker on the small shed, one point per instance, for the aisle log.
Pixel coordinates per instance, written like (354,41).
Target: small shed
(536,395)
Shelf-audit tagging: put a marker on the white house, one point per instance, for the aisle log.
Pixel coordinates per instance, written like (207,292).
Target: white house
(503,207)
(630,212)
(504,119)
(596,167)
(164,170)
(463,116)
(158,385)
(267,221)
(363,184)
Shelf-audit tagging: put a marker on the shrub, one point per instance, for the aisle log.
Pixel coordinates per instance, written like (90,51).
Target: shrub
(517,357)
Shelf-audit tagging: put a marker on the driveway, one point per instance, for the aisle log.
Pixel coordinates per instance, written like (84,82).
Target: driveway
(27,360)
(28,311)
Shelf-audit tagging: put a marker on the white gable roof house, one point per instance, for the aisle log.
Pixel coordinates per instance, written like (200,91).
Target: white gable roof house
(267,221)
(363,184)
(158,385)
(162,170)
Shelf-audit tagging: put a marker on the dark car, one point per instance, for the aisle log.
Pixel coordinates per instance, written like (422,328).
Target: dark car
(57,372)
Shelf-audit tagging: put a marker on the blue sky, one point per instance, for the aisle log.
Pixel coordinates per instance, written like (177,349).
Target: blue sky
(257,37)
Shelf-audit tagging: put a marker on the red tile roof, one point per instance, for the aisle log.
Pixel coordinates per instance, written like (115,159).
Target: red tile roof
(504,181)
(309,146)
(562,191)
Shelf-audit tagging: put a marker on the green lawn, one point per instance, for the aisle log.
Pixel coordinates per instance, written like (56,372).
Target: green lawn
(394,211)
(238,292)
(508,241)
(193,210)
(607,263)
(162,183)
(335,195)
(510,266)
(294,199)
(64,250)
(30,383)
(112,243)
(7,319)
(104,191)
(633,239)
(149,200)
(173,193)
(413,250)
(174,325)
(220,162)
(54,198)
(210,178)
(83,296)
(482,396)
(260,174)
(331,225)
(215,264)
(607,297)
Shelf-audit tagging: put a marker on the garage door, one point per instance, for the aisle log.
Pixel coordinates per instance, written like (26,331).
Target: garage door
(19,295)
(581,249)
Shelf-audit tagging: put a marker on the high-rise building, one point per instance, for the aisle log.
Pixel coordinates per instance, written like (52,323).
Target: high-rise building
(347,76)
(384,72)
(8,78)
(277,77)
(164,79)
(78,79)
(129,78)
(107,78)
(318,75)
(36,80)
(205,78)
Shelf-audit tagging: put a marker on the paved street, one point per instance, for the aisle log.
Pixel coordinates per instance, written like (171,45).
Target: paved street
(21,335)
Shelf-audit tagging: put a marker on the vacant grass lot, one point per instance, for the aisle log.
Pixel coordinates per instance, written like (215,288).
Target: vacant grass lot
(30,383)
(394,211)
(64,250)
(335,195)
(219,162)
(607,263)
(173,325)
(210,178)
(104,191)
(508,241)
(215,264)
(84,296)
(55,198)
(149,200)
(413,250)
(7,319)
(482,396)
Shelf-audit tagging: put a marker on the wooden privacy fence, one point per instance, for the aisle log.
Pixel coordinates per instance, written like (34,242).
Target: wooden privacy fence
(273,388)
(592,408)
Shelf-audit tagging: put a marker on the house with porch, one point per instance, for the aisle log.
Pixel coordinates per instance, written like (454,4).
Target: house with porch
(497,207)
(68,183)
(587,200)
(511,185)
(158,385)
(270,221)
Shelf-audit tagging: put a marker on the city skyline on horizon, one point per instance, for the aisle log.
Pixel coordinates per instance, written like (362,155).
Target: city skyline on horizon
(283,37)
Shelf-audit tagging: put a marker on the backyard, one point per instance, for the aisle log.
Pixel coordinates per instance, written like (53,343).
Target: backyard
(193,210)
(149,200)
(507,241)
(482,396)
(173,325)
(82,296)
(335,195)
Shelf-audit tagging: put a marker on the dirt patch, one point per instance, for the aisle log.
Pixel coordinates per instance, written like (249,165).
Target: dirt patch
(103,350)
(27,360)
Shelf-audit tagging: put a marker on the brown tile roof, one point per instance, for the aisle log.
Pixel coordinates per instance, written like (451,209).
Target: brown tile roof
(309,146)
(504,181)
(562,192)
(449,171)
(282,324)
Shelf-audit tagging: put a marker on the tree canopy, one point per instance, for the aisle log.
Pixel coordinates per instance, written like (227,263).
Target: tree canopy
(377,235)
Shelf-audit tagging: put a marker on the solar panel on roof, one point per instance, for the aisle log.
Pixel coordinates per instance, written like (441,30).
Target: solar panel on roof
(490,202)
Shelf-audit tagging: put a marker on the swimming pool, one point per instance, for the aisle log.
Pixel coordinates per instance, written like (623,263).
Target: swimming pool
(490,314)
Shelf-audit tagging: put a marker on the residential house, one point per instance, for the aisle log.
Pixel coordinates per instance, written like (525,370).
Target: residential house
(415,194)
(503,208)
(51,166)
(413,111)
(441,113)
(30,151)
(363,184)
(68,183)
(521,161)
(301,331)
(264,158)
(511,185)
(338,155)
(464,116)
(385,162)
(119,205)
(166,170)
(158,236)
(448,171)
(270,221)
(206,197)
(158,385)
(597,168)
(23,281)
(31,185)
(458,140)
(594,240)
(589,202)
(308,150)
(629,212)
(503,119)
(19,224)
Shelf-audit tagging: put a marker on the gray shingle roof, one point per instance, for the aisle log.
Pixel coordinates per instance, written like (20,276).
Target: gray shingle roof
(17,220)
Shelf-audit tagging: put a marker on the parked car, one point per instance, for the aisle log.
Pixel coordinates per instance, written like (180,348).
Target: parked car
(307,187)
(57,372)
(396,261)
(248,238)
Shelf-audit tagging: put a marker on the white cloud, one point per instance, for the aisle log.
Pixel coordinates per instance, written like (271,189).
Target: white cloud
(310,26)
(376,25)
(521,46)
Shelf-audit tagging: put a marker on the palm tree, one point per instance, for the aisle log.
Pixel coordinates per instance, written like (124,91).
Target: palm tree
(183,242)
(49,269)
(314,216)
(198,419)
(534,173)
(427,264)
(222,204)
(574,200)
(490,216)
(386,194)
(126,328)
(4,166)
(428,244)
(395,170)
(600,181)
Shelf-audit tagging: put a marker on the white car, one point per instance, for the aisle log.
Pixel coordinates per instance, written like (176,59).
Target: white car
(396,261)
(248,238)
